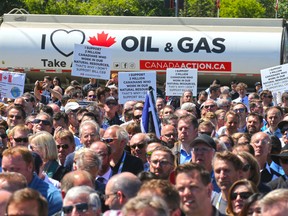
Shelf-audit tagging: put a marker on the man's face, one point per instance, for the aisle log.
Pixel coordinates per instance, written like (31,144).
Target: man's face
(225,174)
(88,135)
(210,106)
(110,135)
(258,108)
(285,134)
(240,110)
(42,123)
(20,138)
(64,147)
(137,114)
(15,163)
(203,154)
(101,149)
(187,97)
(24,208)
(91,96)
(202,99)
(59,123)
(138,146)
(112,200)
(232,122)
(167,111)
(242,92)
(253,124)
(14,118)
(186,131)
(161,164)
(159,104)
(194,195)
(261,144)
(169,135)
(77,200)
(273,118)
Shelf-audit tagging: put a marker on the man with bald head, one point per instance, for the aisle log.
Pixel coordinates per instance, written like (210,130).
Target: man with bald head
(120,188)
(104,151)
(261,143)
(4,197)
(169,135)
(138,144)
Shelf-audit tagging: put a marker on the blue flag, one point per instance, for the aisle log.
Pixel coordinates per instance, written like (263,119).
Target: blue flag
(150,122)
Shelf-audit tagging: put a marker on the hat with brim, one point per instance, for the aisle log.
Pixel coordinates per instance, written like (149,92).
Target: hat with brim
(71,106)
(283,155)
(257,83)
(204,138)
(281,124)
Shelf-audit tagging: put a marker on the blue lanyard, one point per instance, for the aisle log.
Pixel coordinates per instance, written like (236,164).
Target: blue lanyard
(122,163)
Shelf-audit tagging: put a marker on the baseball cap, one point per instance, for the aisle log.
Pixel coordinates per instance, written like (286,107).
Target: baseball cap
(257,83)
(204,138)
(71,106)
(281,124)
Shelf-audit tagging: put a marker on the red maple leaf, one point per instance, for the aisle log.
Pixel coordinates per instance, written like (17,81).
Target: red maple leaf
(102,40)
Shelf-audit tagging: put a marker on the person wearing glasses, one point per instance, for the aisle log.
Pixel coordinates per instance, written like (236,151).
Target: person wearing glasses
(27,202)
(208,106)
(121,161)
(138,144)
(42,122)
(242,111)
(120,188)
(282,181)
(18,136)
(15,115)
(239,192)
(162,162)
(231,124)
(267,99)
(81,200)
(91,95)
(203,151)
(169,135)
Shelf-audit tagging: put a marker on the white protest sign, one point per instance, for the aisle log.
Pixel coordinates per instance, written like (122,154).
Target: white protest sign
(275,79)
(11,84)
(91,62)
(180,79)
(134,85)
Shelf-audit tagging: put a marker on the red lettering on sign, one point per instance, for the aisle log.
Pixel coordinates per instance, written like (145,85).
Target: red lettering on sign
(200,65)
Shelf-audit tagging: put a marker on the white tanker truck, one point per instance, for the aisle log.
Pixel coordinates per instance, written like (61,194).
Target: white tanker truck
(219,48)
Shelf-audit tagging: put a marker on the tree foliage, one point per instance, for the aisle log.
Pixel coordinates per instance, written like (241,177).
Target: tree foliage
(198,8)
(241,9)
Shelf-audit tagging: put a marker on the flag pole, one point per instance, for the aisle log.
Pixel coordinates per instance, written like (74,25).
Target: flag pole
(276,9)
(218,8)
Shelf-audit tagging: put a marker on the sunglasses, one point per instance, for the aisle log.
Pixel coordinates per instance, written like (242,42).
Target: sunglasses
(243,195)
(64,146)
(209,106)
(140,146)
(92,96)
(108,140)
(268,96)
(246,168)
(241,110)
(137,117)
(111,104)
(44,122)
(3,136)
(24,139)
(80,208)
(15,116)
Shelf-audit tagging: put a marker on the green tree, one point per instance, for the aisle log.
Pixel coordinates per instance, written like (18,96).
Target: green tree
(269,6)
(241,9)
(283,9)
(7,5)
(198,8)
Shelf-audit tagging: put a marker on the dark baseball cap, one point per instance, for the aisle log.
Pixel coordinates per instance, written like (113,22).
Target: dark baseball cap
(204,138)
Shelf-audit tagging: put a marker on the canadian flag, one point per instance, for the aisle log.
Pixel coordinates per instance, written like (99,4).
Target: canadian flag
(5,77)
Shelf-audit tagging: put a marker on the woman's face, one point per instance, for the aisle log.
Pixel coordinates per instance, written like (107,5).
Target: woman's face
(238,197)
(246,173)
(254,209)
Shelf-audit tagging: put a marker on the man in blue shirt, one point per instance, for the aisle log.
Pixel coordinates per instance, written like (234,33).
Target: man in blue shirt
(20,159)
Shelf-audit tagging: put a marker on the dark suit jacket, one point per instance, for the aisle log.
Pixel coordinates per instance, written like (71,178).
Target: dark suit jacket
(131,164)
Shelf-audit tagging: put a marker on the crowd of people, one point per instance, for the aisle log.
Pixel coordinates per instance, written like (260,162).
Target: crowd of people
(78,151)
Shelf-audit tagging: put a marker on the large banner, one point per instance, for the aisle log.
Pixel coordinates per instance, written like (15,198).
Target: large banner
(11,84)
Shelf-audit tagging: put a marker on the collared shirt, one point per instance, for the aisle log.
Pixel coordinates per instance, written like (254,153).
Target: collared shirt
(106,175)
(277,133)
(277,168)
(184,156)
(242,100)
